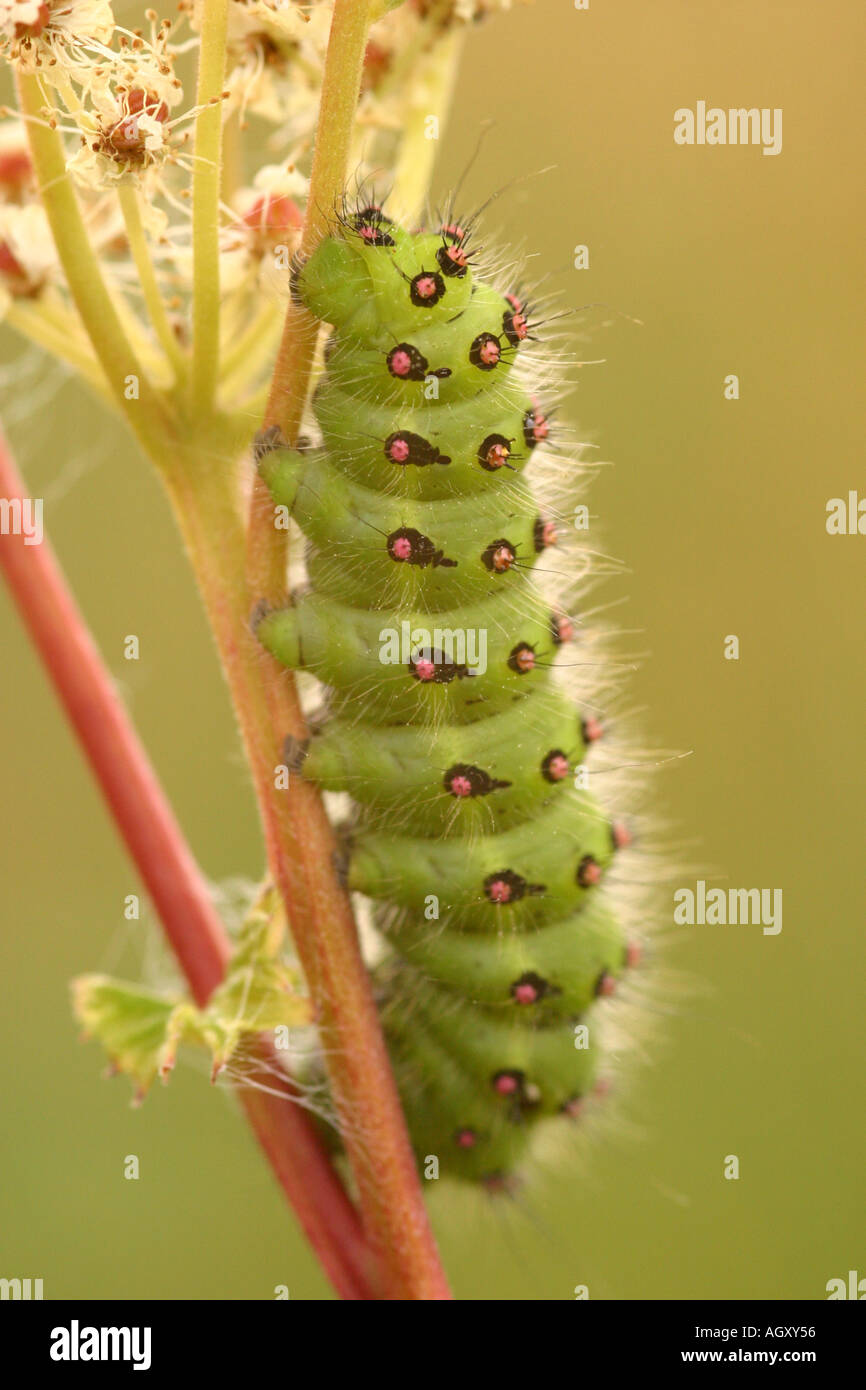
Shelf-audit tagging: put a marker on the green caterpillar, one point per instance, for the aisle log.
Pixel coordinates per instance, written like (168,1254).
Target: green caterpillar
(445,721)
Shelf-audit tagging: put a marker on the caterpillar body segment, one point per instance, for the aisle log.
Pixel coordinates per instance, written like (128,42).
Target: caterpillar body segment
(379,545)
(445,720)
(506,875)
(553,971)
(429,447)
(487,1112)
(486,770)
(489,662)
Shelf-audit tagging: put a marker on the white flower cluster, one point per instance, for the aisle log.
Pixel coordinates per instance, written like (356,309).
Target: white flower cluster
(36,35)
(115,97)
(123,118)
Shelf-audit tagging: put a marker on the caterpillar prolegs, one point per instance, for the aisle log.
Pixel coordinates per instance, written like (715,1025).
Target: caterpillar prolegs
(445,719)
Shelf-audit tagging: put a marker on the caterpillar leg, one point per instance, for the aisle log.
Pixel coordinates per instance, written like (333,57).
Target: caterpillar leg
(281,469)
(278,630)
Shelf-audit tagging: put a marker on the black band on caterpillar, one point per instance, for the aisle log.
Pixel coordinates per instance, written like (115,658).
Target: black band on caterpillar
(486,858)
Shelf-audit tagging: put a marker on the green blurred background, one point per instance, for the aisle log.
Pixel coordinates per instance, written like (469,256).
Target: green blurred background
(734,262)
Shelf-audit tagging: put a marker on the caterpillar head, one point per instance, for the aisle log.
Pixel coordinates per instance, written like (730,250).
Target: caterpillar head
(412,278)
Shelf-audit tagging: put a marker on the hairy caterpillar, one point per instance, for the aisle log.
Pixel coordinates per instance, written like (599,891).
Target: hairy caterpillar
(485,858)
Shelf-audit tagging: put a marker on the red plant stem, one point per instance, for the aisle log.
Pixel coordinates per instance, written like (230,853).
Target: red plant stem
(155,842)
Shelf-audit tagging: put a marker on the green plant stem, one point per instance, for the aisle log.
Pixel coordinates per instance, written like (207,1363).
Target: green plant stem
(206,203)
(144,413)
(130,206)
(340,86)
